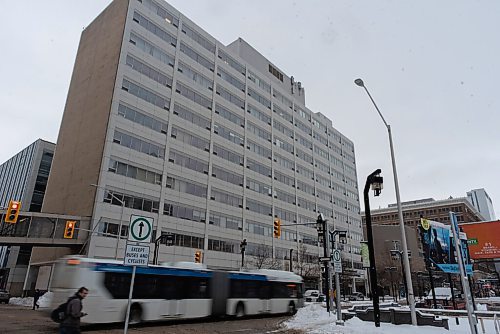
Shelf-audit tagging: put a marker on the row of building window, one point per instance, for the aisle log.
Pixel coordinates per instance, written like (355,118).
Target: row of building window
(153,28)
(131,201)
(190,139)
(230,97)
(229,115)
(142,119)
(146,94)
(193,95)
(138,145)
(231,79)
(151,49)
(134,172)
(186,186)
(161,12)
(195,76)
(198,38)
(149,72)
(191,116)
(191,53)
(187,161)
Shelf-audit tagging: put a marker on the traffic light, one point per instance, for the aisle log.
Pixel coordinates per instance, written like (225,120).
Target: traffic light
(13,212)
(197,257)
(69,230)
(277,228)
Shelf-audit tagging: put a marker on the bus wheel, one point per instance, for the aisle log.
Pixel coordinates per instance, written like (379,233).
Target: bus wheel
(291,308)
(240,310)
(135,314)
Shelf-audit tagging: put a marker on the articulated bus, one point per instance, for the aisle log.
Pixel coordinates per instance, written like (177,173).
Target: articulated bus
(180,290)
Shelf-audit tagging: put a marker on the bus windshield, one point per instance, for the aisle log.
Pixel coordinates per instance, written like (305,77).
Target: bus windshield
(65,276)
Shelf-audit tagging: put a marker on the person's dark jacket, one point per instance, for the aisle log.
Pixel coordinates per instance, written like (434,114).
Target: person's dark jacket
(73,312)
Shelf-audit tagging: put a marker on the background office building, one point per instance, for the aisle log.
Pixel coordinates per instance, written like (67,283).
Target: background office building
(211,141)
(482,202)
(429,208)
(22,178)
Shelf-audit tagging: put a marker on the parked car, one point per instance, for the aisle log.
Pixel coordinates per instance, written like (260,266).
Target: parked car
(314,296)
(4,296)
(356,296)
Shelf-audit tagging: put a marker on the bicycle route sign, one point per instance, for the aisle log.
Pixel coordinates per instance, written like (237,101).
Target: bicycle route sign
(141,229)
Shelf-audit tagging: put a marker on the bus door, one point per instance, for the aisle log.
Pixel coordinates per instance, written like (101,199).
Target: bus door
(176,307)
(265,296)
(173,291)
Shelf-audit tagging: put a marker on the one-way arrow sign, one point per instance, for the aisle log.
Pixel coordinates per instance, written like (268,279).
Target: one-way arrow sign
(141,229)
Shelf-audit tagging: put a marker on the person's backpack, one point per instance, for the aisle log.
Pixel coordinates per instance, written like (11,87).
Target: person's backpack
(60,313)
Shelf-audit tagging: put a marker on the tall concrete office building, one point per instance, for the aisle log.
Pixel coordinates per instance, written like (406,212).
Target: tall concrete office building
(211,141)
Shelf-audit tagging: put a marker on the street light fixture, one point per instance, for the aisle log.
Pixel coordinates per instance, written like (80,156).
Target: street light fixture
(122,203)
(411,297)
(373,178)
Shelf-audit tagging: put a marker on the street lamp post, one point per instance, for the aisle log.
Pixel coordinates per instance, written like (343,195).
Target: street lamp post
(391,270)
(411,297)
(397,253)
(119,234)
(374,180)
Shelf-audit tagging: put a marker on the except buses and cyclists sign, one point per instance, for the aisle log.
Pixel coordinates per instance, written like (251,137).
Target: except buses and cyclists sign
(141,229)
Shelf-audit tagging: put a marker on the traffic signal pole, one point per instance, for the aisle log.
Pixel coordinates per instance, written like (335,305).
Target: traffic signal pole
(326,264)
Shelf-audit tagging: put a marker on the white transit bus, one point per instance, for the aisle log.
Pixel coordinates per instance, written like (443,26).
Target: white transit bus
(176,291)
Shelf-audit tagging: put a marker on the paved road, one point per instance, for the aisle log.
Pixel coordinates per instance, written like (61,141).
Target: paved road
(22,320)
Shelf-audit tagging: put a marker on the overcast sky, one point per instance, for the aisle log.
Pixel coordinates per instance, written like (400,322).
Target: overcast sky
(431,66)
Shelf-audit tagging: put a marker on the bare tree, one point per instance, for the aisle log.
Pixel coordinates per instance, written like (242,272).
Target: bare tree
(262,258)
(306,265)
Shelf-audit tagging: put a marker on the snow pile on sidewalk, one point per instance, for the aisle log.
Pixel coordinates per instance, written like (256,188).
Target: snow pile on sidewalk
(314,319)
(44,300)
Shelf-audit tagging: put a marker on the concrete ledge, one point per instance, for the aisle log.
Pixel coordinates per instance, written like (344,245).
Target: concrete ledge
(399,316)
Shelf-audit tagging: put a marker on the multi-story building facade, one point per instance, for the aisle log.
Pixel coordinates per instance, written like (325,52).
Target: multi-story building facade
(211,141)
(22,178)
(482,202)
(429,208)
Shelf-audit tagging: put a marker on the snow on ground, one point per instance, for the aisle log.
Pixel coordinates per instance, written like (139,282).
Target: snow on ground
(44,300)
(314,319)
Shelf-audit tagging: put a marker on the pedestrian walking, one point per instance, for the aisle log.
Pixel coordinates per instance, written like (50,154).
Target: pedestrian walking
(35,299)
(71,324)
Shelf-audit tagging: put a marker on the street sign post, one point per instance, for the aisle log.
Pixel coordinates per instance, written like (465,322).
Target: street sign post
(140,231)
(337,261)
(135,255)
